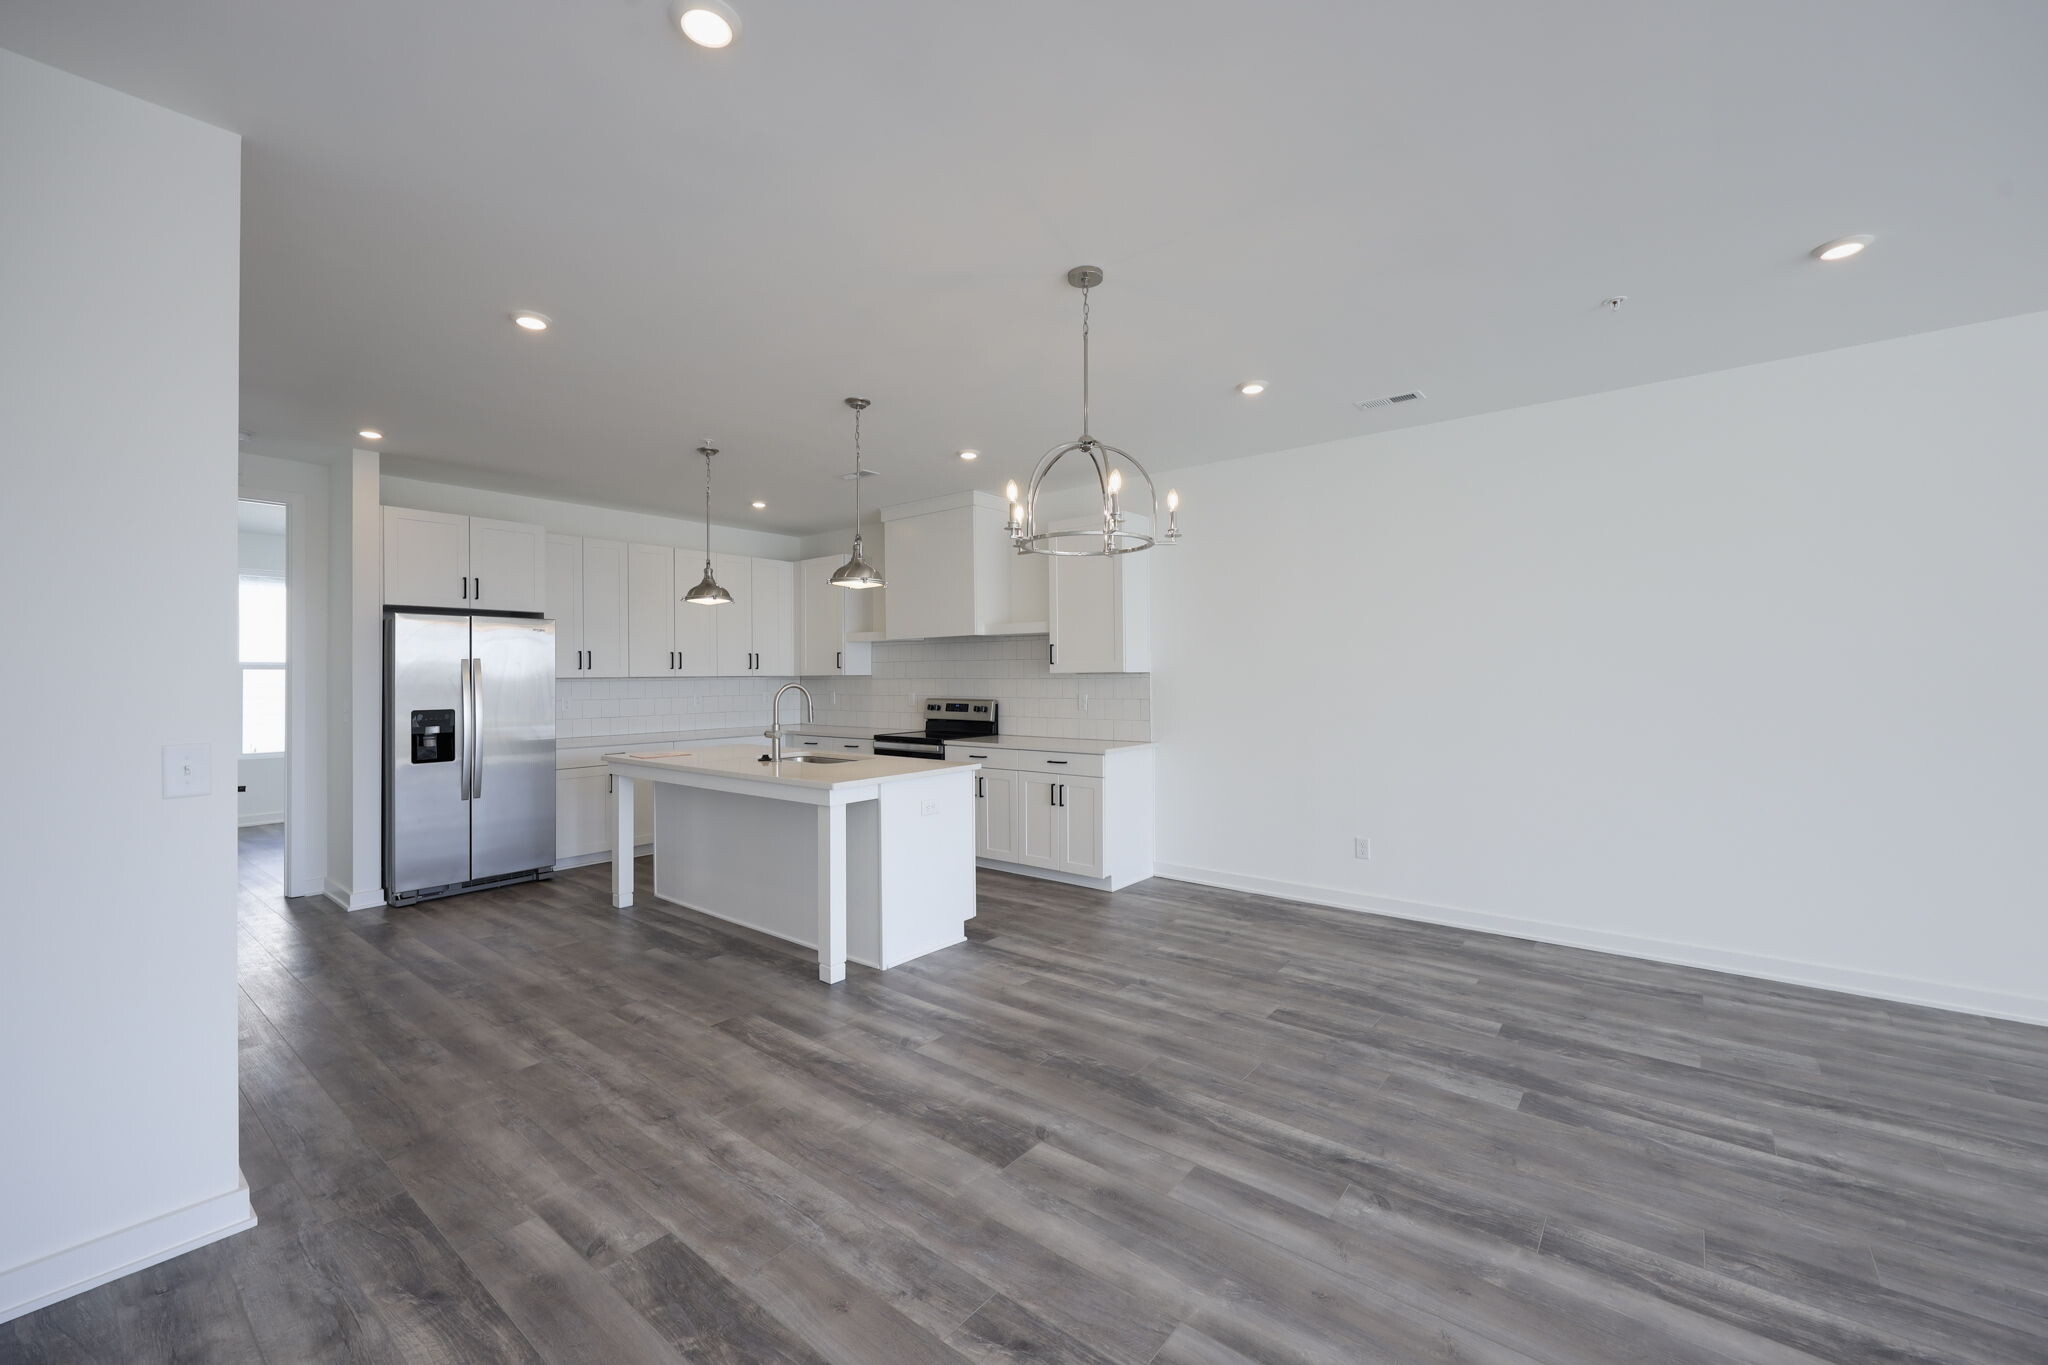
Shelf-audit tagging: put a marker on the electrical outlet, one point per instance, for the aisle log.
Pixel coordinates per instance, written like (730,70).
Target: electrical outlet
(1361,848)
(1084,701)
(931,808)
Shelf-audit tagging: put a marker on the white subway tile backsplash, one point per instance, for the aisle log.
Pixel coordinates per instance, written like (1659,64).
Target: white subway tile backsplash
(1012,669)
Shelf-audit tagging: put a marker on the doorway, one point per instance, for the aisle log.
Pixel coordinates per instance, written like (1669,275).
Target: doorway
(264,609)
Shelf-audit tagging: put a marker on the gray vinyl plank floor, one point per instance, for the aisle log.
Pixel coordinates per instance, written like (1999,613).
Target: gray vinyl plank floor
(1176,1126)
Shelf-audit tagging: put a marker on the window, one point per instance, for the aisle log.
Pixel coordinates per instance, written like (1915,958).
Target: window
(263,660)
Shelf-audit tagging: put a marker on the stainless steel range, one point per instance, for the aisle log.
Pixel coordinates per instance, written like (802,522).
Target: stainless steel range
(945,718)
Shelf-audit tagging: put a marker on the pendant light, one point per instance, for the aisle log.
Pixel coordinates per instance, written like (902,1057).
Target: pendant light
(856,572)
(1112,536)
(707,593)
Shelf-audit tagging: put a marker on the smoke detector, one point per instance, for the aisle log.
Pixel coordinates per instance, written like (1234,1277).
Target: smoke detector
(1366,404)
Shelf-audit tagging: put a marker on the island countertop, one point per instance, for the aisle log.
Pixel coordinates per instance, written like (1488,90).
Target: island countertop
(744,763)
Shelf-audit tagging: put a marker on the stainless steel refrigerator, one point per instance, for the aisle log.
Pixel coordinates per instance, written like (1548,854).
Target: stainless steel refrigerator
(469,752)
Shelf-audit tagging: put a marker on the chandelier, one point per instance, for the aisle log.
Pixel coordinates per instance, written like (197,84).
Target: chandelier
(1112,536)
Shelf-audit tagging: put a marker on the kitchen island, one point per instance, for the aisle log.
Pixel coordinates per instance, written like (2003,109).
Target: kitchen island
(869,859)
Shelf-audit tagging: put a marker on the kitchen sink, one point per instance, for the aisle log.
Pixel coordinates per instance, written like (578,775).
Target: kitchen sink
(815,758)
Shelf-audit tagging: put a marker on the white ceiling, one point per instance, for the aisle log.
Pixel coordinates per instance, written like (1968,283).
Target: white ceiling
(1344,199)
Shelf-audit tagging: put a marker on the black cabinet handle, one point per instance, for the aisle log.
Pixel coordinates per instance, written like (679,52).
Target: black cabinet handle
(479,588)
(1055,654)
(979,794)
(465,587)
(977,755)
(839,659)
(1061,761)
(1052,793)
(1063,793)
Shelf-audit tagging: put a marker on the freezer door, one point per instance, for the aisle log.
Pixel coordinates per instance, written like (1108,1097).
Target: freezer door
(512,798)
(426,748)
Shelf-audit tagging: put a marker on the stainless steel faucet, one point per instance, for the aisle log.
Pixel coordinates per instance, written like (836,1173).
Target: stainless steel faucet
(773,734)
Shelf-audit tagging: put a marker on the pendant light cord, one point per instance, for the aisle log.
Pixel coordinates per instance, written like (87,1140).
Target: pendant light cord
(1084,363)
(707,514)
(856,480)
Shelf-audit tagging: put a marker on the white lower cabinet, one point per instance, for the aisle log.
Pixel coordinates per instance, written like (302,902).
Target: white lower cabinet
(583,816)
(995,813)
(1084,817)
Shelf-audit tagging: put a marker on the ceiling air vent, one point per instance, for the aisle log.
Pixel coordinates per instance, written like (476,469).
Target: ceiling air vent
(1389,400)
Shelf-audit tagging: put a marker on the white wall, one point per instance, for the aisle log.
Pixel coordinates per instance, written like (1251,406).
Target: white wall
(583,519)
(355,793)
(1745,670)
(119,242)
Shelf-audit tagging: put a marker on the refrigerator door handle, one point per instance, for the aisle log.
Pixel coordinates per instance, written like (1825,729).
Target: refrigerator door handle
(476,728)
(464,732)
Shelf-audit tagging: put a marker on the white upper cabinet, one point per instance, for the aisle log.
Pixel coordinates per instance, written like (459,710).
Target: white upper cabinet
(950,568)
(1100,613)
(426,558)
(651,611)
(565,603)
(734,620)
(604,609)
(696,627)
(826,616)
(508,565)
(773,609)
(441,559)
(753,635)
(586,597)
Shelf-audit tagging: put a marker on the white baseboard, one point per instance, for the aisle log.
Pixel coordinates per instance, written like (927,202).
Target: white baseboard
(274,817)
(61,1274)
(352,900)
(589,859)
(1941,995)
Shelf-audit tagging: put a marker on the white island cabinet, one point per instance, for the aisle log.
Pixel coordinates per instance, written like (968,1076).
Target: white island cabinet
(869,860)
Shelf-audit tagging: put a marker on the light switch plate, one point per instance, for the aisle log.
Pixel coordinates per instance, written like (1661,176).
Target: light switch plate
(188,770)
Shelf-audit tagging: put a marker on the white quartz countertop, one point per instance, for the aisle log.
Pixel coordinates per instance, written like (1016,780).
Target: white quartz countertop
(744,761)
(1052,744)
(583,751)
(588,751)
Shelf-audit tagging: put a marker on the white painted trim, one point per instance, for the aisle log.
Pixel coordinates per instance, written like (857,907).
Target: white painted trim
(1941,995)
(58,1276)
(269,817)
(347,900)
(601,856)
(773,933)
(1051,874)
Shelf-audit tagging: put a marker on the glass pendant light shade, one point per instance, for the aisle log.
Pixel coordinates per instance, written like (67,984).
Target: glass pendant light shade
(856,572)
(707,593)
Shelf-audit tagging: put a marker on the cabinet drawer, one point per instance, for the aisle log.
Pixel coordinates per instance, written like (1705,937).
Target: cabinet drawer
(1029,760)
(829,745)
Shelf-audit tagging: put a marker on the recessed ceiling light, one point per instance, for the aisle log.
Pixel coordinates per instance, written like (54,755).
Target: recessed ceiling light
(531,321)
(759,505)
(970,454)
(1252,388)
(1842,248)
(707,23)
(371,434)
